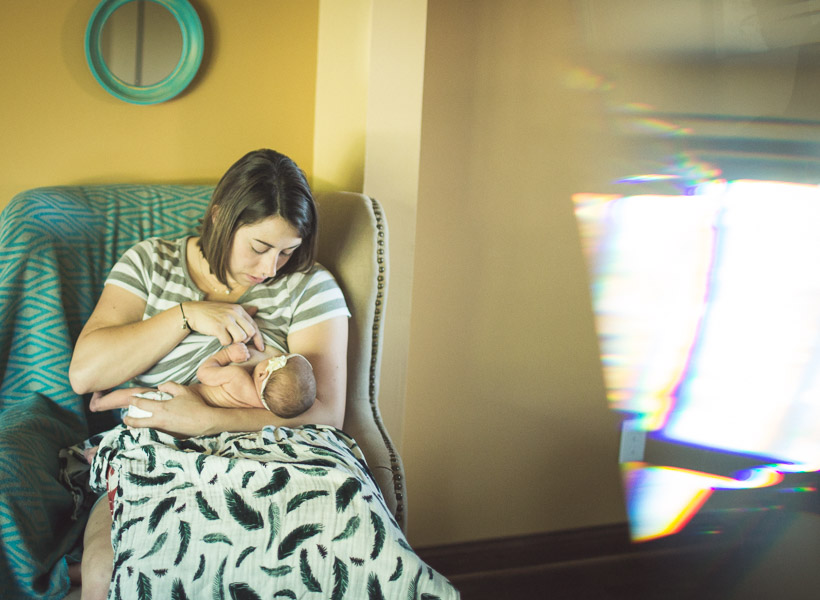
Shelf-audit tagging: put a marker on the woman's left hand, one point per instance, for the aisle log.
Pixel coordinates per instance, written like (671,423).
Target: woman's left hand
(184,415)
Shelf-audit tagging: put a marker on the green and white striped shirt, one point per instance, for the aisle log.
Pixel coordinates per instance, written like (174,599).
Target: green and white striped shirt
(156,271)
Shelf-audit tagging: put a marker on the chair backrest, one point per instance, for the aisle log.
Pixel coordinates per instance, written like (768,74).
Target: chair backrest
(59,244)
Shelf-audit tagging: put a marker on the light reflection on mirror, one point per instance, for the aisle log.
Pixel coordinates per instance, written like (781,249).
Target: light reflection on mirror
(141,43)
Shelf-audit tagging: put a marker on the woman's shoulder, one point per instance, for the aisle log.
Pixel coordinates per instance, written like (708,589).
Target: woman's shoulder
(318,270)
(158,244)
(154,250)
(316,279)
(150,258)
(301,279)
(316,275)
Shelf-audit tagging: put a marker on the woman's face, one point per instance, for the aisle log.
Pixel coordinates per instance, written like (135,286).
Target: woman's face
(261,249)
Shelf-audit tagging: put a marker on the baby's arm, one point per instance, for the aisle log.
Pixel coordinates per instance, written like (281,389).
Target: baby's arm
(218,369)
(234,353)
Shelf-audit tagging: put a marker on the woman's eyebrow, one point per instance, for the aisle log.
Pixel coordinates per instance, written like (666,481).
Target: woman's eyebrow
(272,246)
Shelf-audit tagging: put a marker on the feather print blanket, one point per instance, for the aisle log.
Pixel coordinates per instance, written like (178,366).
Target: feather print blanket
(279,513)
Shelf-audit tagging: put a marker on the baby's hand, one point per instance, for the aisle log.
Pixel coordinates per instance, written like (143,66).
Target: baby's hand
(238,352)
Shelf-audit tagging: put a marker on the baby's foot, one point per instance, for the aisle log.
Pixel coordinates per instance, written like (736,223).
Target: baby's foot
(90,453)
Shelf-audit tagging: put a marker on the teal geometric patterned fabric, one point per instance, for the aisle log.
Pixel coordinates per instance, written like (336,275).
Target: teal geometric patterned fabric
(57,245)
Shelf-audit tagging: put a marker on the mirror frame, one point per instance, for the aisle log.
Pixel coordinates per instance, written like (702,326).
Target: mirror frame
(165,89)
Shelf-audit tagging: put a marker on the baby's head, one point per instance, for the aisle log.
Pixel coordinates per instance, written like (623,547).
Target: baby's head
(285,384)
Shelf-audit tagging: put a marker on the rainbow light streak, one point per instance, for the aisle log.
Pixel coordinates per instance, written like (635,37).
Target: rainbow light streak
(680,164)
(661,500)
(648,178)
(582,78)
(798,490)
(661,127)
(695,171)
(650,258)
(708,315)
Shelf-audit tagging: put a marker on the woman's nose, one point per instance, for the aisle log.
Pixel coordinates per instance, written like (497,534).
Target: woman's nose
(270,265)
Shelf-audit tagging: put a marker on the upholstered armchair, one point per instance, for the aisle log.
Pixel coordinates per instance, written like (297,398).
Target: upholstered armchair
(56,247)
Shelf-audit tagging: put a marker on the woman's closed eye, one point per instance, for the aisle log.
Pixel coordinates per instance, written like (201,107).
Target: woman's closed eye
(264,249)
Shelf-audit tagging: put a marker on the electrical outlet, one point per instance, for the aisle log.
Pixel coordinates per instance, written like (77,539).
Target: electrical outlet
(633,442)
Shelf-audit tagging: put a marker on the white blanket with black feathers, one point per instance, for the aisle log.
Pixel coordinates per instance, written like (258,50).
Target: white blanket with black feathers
(279,513)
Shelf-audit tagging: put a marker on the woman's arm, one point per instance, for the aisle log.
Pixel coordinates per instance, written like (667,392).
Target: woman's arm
(323,344)
(116,344)
(325,347)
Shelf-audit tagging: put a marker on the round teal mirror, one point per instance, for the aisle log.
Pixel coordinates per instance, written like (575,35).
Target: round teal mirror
(144,51)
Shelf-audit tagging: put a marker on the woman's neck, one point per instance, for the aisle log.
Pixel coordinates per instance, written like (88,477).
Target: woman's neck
(206,281)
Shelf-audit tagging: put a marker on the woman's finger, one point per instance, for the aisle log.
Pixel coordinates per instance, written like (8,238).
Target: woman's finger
(225,338)
(237,333)
(184,415)
(102,401)
(95,403)
(252,332)
(228,323)
(251,328)
(255,334)
(171,387)
(259,342)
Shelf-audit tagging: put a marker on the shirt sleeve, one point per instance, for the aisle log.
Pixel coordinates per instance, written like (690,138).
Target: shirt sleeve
(133,271)
(319,299)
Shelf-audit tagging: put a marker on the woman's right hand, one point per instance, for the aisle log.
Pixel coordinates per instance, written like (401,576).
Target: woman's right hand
(229,323)
(186,414)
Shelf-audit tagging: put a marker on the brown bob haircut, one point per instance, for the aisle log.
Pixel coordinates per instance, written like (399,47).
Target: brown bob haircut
(261,184)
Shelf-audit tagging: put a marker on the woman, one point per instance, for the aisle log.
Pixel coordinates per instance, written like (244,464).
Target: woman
(250,277)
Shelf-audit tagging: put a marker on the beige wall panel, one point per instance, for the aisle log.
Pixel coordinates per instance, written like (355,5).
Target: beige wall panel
(392,175)
(506,425)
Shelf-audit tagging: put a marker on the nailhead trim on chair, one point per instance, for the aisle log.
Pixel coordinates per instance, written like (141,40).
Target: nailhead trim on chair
(398,484)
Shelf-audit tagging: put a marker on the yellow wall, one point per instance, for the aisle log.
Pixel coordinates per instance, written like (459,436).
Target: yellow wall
(256,89)
(341,95)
